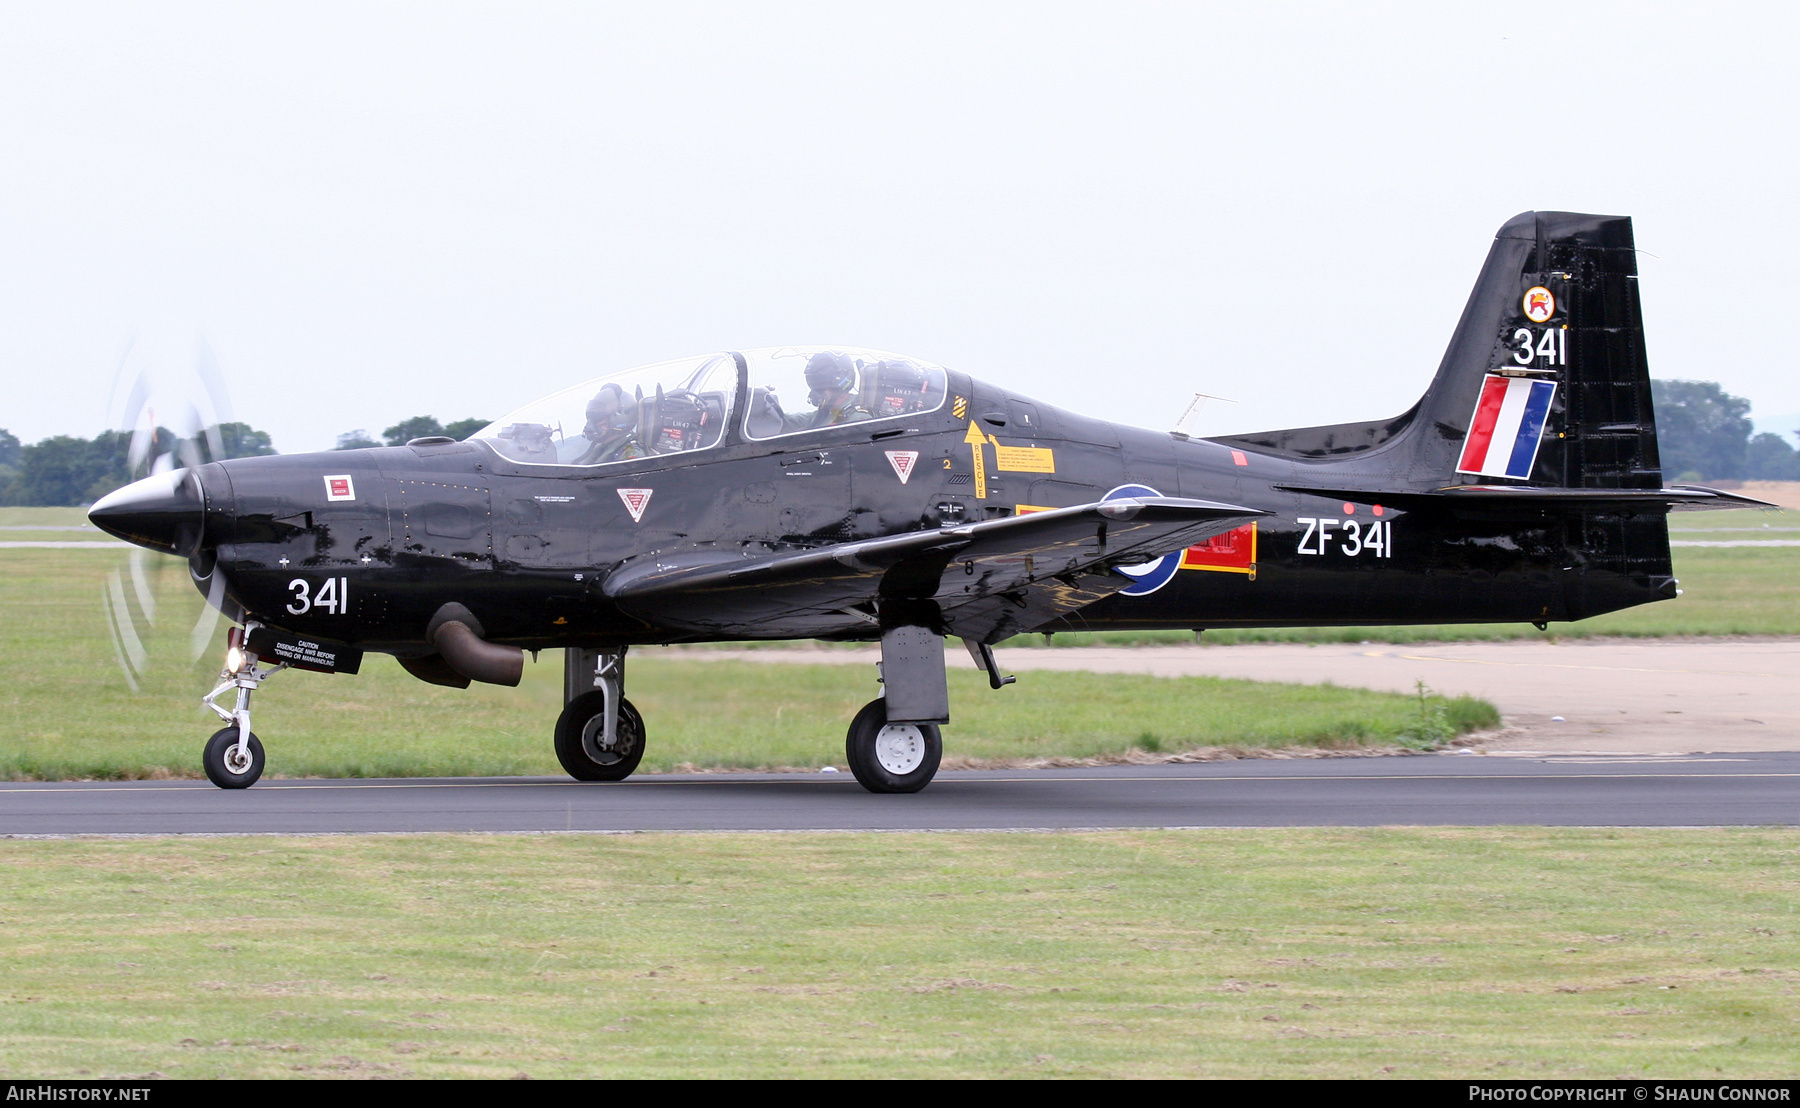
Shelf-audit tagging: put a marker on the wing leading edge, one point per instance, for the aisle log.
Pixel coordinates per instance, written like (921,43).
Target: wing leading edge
(987,580)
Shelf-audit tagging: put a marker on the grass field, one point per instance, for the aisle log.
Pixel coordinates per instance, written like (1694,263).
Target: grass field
(1233,953)
(65,711)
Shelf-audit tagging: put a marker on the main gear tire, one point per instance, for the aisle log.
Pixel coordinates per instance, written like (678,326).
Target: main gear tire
(225,766)
(580,729)
(891,757)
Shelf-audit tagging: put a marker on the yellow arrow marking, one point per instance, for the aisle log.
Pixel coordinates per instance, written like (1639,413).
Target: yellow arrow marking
(976,439)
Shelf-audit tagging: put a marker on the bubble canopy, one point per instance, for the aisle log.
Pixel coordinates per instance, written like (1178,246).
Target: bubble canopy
(684,405)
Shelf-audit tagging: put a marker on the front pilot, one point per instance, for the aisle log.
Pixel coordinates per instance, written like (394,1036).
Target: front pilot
(610,425)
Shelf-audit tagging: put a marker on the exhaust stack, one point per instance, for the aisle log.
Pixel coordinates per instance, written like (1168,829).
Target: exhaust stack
(457,635)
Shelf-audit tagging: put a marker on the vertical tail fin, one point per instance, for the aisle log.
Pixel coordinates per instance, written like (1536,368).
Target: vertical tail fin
(1545,381)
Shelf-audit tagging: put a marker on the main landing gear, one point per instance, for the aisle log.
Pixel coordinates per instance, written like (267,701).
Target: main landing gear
(233,756)
(600,735)
(893,745)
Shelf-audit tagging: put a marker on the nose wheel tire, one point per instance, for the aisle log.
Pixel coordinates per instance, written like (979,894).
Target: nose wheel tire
(225,766)
(891,757)
(580,737)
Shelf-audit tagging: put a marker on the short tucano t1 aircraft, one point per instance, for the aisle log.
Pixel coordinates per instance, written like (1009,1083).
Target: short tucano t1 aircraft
(843,494)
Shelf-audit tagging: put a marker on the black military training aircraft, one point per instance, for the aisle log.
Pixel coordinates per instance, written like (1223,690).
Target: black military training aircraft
(683,502)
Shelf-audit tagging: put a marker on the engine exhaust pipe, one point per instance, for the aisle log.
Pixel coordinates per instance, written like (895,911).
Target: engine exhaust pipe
(457,635)
(433,670)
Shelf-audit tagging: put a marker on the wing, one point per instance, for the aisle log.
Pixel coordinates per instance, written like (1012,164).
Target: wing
(1675,498)
(988,580)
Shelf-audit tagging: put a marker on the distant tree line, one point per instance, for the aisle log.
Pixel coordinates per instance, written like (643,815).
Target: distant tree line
(418,427)
(67,471)
(1704,434)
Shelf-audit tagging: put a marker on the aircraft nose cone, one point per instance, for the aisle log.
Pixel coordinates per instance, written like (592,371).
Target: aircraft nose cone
(165,511)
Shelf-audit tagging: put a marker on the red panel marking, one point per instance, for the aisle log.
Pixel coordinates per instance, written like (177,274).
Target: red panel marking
(1235,550)
(1238,459)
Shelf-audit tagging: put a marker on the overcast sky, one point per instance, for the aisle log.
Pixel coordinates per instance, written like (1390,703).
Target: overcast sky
(372,211)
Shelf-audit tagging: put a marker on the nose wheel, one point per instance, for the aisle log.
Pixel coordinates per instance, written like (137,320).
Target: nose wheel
(230,764)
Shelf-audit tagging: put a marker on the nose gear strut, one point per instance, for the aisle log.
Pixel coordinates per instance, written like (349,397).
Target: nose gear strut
(233,757)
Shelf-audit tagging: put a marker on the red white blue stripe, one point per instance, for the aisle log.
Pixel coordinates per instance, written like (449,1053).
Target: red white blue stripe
(1507,426)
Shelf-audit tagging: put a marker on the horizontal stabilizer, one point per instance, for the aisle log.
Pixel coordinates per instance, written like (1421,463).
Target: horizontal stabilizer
(1674,498)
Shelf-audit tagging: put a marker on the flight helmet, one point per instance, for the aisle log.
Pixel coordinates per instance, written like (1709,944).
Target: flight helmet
(827,372)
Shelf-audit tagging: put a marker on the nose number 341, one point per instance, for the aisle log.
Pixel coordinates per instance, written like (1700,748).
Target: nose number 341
(333,596)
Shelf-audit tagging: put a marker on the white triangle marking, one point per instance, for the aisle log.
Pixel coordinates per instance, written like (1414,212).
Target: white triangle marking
(903,462)
(636,500)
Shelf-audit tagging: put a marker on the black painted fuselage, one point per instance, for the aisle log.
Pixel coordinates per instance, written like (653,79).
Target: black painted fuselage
(529,548)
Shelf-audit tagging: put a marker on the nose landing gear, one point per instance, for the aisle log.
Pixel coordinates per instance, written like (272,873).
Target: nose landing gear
(233,757)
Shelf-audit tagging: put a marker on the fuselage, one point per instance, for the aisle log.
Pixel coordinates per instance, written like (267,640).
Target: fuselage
(364,546)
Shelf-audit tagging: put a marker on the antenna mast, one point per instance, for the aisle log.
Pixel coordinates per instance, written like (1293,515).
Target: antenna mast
(1193,409)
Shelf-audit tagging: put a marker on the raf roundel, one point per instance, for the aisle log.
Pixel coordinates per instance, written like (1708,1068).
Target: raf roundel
(1540,304)
(1149,576)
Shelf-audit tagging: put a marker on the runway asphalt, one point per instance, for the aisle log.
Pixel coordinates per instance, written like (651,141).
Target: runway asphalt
(1738,789)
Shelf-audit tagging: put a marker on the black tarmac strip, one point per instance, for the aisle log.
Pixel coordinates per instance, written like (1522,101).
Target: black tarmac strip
(1761,789)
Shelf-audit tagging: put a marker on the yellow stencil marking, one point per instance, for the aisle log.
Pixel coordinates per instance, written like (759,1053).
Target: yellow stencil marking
(976,440)
(1024,459)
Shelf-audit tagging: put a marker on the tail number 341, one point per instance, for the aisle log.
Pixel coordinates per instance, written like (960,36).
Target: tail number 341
(333,596)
